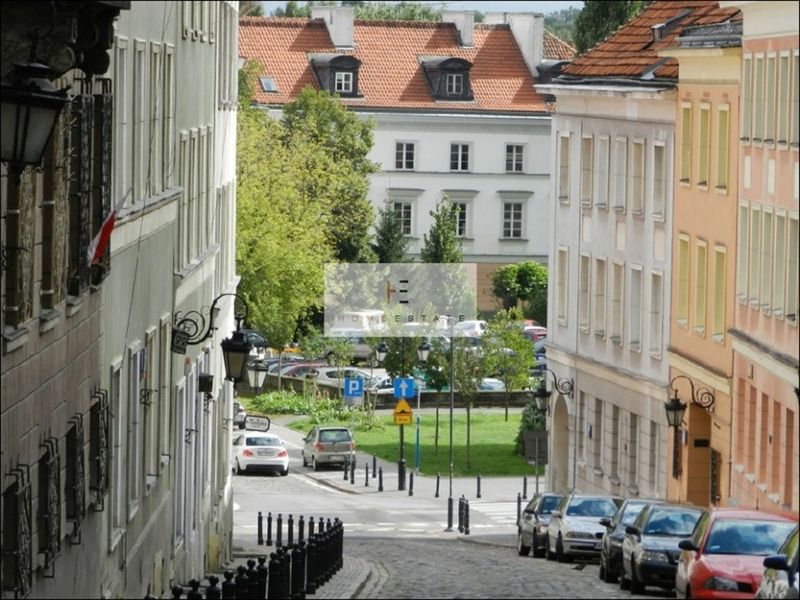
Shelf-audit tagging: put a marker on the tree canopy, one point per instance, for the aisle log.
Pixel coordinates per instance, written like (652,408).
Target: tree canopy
(600,18)
(561,23)
(390,245)
(440,244)
(526,282)
(385,11)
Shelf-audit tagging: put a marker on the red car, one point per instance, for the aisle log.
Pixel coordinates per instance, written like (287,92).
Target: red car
(724,558)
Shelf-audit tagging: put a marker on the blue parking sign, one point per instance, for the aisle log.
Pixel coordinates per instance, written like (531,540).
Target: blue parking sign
(404,387)
(353,387)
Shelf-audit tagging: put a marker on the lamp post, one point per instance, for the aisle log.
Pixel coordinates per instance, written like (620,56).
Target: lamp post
(256,376)
(566,387)
(452,321)
(423,350)
(675,409)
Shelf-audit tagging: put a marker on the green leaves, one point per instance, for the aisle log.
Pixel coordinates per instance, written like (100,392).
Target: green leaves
(526,281)
(440,244)
(509,354)
(390,244)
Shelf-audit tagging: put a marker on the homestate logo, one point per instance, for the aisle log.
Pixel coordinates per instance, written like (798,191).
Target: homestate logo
(401,291)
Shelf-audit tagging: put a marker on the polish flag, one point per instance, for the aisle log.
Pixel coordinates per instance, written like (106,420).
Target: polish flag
(99,244)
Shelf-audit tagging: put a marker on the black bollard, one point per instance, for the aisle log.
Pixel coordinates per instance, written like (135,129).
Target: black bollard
(290,527)
(466,517)
(449,513)
(301,529)
(261,575)
(310,526)
(228,587)
(252,578)
(269,529)
(374,466)
(346,468)
(298,575)
(311,564)
(411,483)
(380,479)
(479,486)
(212,591)
(260,529)
(524,487)
(320,524)
(366,479)
(436,495)
(242,583)
(177,591)
(194,593)
(273,581)
(461,514)
(286,572)
(279,531)
(353,471)
(519,506)
(328,525)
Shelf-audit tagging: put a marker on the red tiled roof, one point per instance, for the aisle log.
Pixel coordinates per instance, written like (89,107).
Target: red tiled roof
(556,48)
(390,75)
(630,52)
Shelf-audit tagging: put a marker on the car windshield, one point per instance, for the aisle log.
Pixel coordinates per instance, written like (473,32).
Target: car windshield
(592,507)
(262,441)
(549,504)
(740,536)
(334,435)
(671,522)
(631,512)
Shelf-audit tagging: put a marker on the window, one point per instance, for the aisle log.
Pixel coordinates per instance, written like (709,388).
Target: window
(700,288)
(179,492)
(656,312)
(140,144)
(795,137)
(600,297)
(402,212)
(723,145)
(136,368)
(654,458)
(783,101)
(117,458)
(459,157)
(620,172)
(343,82)
(635,328)
(769,131)
(747,97)
(512,220)
(637,178)
(581,425)
(718,325)
(765,286)
(563,167)
(121,94)
(602,171)
(596,433)
(686,143)
(563,285)
(617,301)
(683,280)
(659,180)
(704,146)
(168,105)
(754,254)
(268,84)
(614,447)
(461,219)
(741,252)
(780,264)
(404,156)
(583,293)
(455,84)
(633,448)
(791,272)
(758,93)
(514,158)
(586,170)
(156,159)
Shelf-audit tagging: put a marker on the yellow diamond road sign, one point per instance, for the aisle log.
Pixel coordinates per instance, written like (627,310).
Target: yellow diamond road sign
(402,413)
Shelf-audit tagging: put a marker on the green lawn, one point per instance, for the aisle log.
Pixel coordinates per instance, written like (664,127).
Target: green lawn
(491,443)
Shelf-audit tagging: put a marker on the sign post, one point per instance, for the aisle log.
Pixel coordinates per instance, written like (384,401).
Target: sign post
(403,388)
(416,444)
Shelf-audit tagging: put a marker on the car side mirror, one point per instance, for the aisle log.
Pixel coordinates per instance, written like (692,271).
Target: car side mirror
(605,521)
(556,514)
(632,530)
(776,561)
(687,545)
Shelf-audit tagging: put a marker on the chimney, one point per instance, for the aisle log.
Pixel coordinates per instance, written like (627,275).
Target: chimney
(464,20)
(339,21)
(528,31)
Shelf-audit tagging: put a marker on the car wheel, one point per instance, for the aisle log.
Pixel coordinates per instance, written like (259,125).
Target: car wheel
(284,472)
(624,582)
(602,572)
(636,586)
(314,464)
(239,469)
(560,556)
(688,593)
(303,456)
(534,543)
(522,549)
(608,576)
(549,555)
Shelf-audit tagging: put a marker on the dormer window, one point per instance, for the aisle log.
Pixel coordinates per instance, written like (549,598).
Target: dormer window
(447,77)
(336,73)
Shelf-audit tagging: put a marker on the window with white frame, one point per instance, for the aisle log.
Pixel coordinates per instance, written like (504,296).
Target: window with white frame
(765,287)
(583,293)
(164,360)
(512,220)
(597,434)
(151,408)
(404,156)
(156,159)
(121,135)
(599,320)
(637,178)
(139,142)
(581,426)
(656,312)
(700,287)
(741,252)
(192,201)
(686,143)
(633,449)
(461,219)
(723,146)
(682,312)
(179,494)
(783,100)
(758,104)
(613,449)
(617,301)
(791,271)
(653,457)
(563,167)
(704,148)
(620,172)
(718,322)
(402,212)
(455,84)
(135,428)
(563,285)
(117,452)
(754,254)
(659,179)
(747,97)
(771,88)
(459,157)
(343,82)
(202,190)
(587,155)
(602,174)
(779,296)
(795,135)
(635,325)
(514,158)
(168,105)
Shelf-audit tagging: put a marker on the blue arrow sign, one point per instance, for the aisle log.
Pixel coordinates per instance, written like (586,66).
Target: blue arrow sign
(404,387)
(353,387)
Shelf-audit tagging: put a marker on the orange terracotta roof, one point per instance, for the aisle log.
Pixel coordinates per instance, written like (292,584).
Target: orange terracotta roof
(556,48)
(630,52)
(390,75)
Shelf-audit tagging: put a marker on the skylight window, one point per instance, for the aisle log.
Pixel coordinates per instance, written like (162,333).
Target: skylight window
(268,84)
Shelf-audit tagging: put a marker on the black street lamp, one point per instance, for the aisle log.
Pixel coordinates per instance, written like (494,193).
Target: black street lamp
(256,375)
(675,409)
(566,387)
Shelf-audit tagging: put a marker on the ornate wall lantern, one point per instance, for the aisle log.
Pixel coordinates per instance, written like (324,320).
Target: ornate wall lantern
(675,409)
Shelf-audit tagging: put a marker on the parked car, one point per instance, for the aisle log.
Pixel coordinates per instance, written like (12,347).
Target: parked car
(780,578)
(360,348)
(650,547)
(611,548)
(239,415)
(574,528)
(256,450)
(255,339)
(302,369)
(534,332)
(472,328)
(725,556)
(491,384)
(532,525)
(327,446)
(334,376)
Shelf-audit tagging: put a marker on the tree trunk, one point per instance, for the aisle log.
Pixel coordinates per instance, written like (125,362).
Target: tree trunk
(436,434)
(469,403)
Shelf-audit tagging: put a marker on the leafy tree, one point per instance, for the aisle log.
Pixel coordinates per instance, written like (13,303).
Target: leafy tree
(401,359)
(561,23)
(532,420)
(395,11)
(436,371)
(390,245)
(470,369)
(505,286)
(532,280)
(440,244)
(600,18)
(293,9)
(250,8)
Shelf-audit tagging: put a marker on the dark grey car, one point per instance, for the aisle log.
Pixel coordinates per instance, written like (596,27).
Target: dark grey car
(780,579)
(327,446)
(611,549)
(532,525)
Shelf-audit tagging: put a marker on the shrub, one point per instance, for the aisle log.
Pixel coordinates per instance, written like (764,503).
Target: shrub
(532,420)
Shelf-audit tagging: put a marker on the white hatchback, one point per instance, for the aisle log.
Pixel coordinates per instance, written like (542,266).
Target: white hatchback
(257,450)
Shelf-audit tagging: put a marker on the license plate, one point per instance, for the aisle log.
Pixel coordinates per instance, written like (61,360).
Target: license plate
(336,458)
(263,452)
(598,545)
